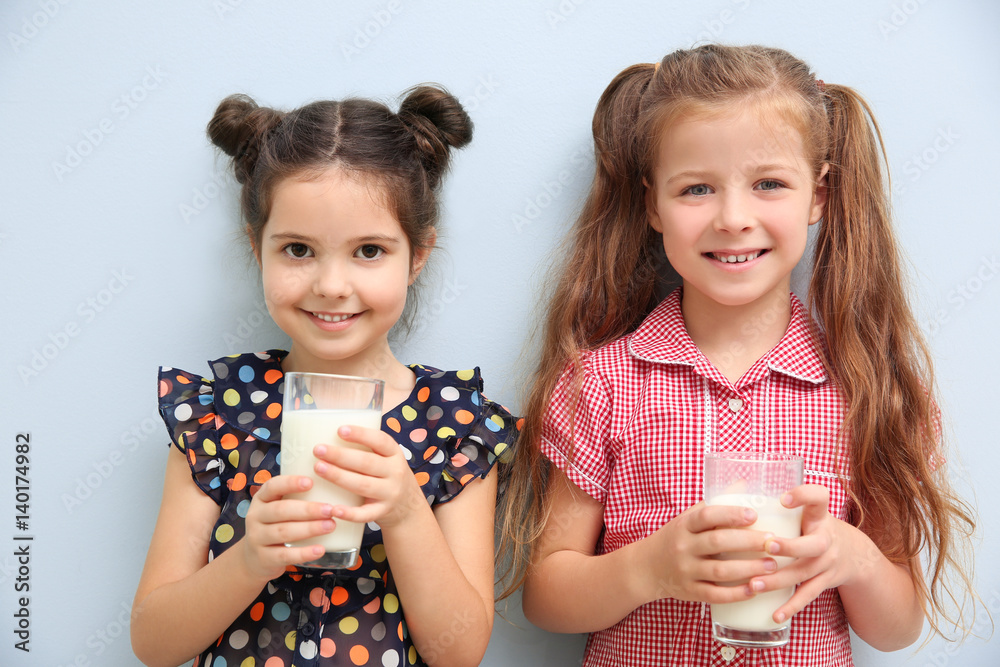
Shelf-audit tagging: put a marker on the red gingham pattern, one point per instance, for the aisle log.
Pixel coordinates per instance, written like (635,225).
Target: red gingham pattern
(651,406)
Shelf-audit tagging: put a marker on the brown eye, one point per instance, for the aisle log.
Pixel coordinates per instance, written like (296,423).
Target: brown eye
(369,251)
(297,250)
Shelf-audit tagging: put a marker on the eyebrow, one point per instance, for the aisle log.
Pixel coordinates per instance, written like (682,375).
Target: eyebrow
(371,238)
(753,168)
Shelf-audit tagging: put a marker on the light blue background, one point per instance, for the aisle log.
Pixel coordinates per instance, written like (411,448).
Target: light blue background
(123,258)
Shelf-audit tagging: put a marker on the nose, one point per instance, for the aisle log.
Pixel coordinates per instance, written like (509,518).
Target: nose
(735,213)
(332,280)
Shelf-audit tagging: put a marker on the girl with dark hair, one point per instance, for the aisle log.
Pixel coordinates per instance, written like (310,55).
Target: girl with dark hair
(722,158)
(339,201)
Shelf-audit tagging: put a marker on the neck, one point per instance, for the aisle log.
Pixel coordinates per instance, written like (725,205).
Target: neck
(733,338)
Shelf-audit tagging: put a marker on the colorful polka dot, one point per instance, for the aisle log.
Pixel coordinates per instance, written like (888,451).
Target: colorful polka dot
(422,478)
(249,662)
(445,432)
(229,441)
(272,376)
(208,446)
(327,647)
(231,397)
(338,595)
(219,662)
(465,375)
(378,553)
(246,374)
(273,410)
(224,533)
(348,625)
(409,414)
(424,394)
(258,397)
(450,394)
(257,611)
(239,639)
(391,603)
(238,482)
(418,435)
(290,640)
(183,412)
(280,611)
(393,423)
(464,416)
(390,659)
(359,654)
(234,458)
(308,649)
(274,661)
(373,606)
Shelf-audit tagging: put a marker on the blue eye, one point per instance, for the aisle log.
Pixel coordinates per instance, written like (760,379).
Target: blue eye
(297,250)
(369,251)
(698,190)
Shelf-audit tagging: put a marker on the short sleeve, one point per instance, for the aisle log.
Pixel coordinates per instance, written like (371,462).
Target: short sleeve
(575,432)
(491,438)
(186,405)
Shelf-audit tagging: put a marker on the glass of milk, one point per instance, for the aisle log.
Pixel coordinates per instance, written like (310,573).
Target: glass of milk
(756,480)
(315,405)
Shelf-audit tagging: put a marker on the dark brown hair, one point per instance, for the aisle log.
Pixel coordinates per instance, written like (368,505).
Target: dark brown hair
(876,352)
(403,154)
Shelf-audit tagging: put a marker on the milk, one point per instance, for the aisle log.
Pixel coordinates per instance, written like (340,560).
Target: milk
(301,431)
(772,517)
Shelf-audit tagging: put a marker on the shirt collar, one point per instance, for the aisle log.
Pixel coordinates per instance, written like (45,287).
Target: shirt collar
(663,338)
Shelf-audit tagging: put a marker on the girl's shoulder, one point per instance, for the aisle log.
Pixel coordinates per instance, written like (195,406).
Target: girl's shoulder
(449,431)
(207,417)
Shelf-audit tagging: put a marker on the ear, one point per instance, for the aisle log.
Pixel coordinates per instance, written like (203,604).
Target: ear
(421,255)
(652,216)
(820,195)
(253,245)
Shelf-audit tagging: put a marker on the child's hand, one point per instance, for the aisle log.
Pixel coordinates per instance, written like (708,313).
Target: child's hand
(272,520)
(381,476)
(830,552)
(682,555)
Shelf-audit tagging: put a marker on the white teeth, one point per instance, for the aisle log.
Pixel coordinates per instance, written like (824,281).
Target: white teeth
(729,259)
(331,318)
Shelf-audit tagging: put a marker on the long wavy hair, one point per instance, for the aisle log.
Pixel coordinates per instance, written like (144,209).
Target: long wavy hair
(876,353)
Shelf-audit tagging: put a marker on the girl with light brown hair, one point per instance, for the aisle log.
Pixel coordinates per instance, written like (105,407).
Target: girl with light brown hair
(722,158)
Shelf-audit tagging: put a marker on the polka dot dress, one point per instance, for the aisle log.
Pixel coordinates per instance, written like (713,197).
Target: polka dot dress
(229,429)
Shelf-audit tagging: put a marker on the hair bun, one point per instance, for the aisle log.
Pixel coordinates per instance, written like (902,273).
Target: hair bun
(438,123)
(237,127)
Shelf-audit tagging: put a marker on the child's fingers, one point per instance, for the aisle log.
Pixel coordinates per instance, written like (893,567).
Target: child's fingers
(356,460)
(814,499)
(293,531)
(363,485)
(281,485)
(804,594)
(376,440)
(287,509)
(709,517)
(733,571)
(723,540)
(813,545)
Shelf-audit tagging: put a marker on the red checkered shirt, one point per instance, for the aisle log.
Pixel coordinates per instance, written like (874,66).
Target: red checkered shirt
(651,406)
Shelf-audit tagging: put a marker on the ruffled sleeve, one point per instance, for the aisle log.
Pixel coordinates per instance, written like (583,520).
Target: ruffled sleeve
(452,434)
(186,405)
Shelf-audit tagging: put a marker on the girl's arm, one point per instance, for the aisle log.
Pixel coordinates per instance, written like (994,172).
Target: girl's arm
(441,560)
(183,602)
(570,589)
(879,597)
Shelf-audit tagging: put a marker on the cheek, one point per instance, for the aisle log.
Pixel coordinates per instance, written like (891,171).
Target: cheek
(281,287)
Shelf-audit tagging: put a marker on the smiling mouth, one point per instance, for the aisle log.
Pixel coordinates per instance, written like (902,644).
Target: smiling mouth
(735,259)
(330,318)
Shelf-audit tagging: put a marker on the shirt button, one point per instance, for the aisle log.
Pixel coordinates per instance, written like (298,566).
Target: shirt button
(735,404)
(728,653)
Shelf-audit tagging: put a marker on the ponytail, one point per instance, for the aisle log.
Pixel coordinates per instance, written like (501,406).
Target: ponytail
(606,287)
(878,357)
